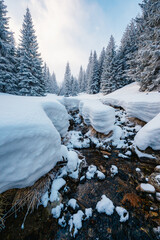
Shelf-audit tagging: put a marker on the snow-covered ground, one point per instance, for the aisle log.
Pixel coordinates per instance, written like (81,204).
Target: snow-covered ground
(141,105)
(30,145)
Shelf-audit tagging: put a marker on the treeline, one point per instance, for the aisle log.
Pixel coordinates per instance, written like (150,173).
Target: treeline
(136,59)
(22,71)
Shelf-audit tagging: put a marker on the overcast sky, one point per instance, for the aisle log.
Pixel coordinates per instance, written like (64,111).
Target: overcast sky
(68,30)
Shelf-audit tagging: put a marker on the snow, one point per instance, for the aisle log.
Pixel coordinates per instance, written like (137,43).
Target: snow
(75,140)
(91,171)
(142,105)
(45,199)
(149,135)
(73,203)
(72,161)
(56,212)
(113,170)
(96,114)
(30,145)
(146,187)
(123,213)
(105,206)
(88,213)
(100,175)
(56,186)
(138,170)
(75,222)
(62,222)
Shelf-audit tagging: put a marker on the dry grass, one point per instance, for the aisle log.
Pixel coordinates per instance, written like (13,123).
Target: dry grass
(132,198)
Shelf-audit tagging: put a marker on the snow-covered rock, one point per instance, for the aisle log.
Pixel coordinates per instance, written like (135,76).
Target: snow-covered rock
(91,171)
(113,170)
(98,115)
(146,187)
(75,222)
(88,213)
(56,212)
(73,203)
(141,105)
(105,206)
(56,186)
(123,213)
(30,145)
(149,135)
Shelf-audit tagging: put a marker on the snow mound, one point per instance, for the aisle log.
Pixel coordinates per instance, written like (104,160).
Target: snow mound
(105,206)
(73,203)
(149,135)
(146,187)
(56,186)
(91,172)
(98,115)
(113,170)
(30,144)
(56,212)
(141,105)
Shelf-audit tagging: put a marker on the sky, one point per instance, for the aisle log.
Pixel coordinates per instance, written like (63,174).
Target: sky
(67,30)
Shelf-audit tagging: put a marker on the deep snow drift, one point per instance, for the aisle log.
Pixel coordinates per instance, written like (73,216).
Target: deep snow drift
(30,144)
(141,105)
(149,135)
(98,115)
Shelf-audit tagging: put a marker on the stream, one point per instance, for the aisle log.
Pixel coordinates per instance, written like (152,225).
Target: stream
(143,209)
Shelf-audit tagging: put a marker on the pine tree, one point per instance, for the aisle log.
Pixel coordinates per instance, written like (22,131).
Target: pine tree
(46,78)
(89,73)
(101,63)
(54,85)
(8,82)
(30,70)
(94,83)
(108,82)
(75,87)
(80,79)
(148,56)
(67,81)
(84,82)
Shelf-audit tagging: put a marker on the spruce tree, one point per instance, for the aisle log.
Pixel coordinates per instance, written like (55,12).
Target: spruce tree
(8,82)
(31,81)
(75,87)
(101,62)
(67,81)
(89,73)
(108,82)
(80,79)
(148,56)
(94,83)
(54,85)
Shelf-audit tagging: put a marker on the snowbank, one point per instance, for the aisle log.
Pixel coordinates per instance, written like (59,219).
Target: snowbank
(98,115)
(149,135)
(30,144)
(141,105)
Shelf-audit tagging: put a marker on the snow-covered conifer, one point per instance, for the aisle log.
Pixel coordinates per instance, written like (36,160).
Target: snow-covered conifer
(108,82)
(94,83)
(30,69)
(67,81)
(8,81)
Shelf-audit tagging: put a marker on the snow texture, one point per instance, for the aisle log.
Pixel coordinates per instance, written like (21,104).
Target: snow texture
(113,170)
(96,114)
(73,203)
(88,213)
(57,211)
(123,213)
(146,187)
(100,175)
(75,222)
(149,135)
(105,206)
(56,186)
(142,105)
(30,145)
(72,161)
(91,172)
(45,199)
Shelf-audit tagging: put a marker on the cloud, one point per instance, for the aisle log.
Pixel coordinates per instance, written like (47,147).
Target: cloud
(67,30)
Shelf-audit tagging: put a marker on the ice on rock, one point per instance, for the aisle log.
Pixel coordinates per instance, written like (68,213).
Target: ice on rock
(98,115)
(105,206)
(56,212)
(141,105)
(73,203)
(75,222)
(56,186)
(91,171)
(30,145)
(149,135)
(123,213)
(113,170)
